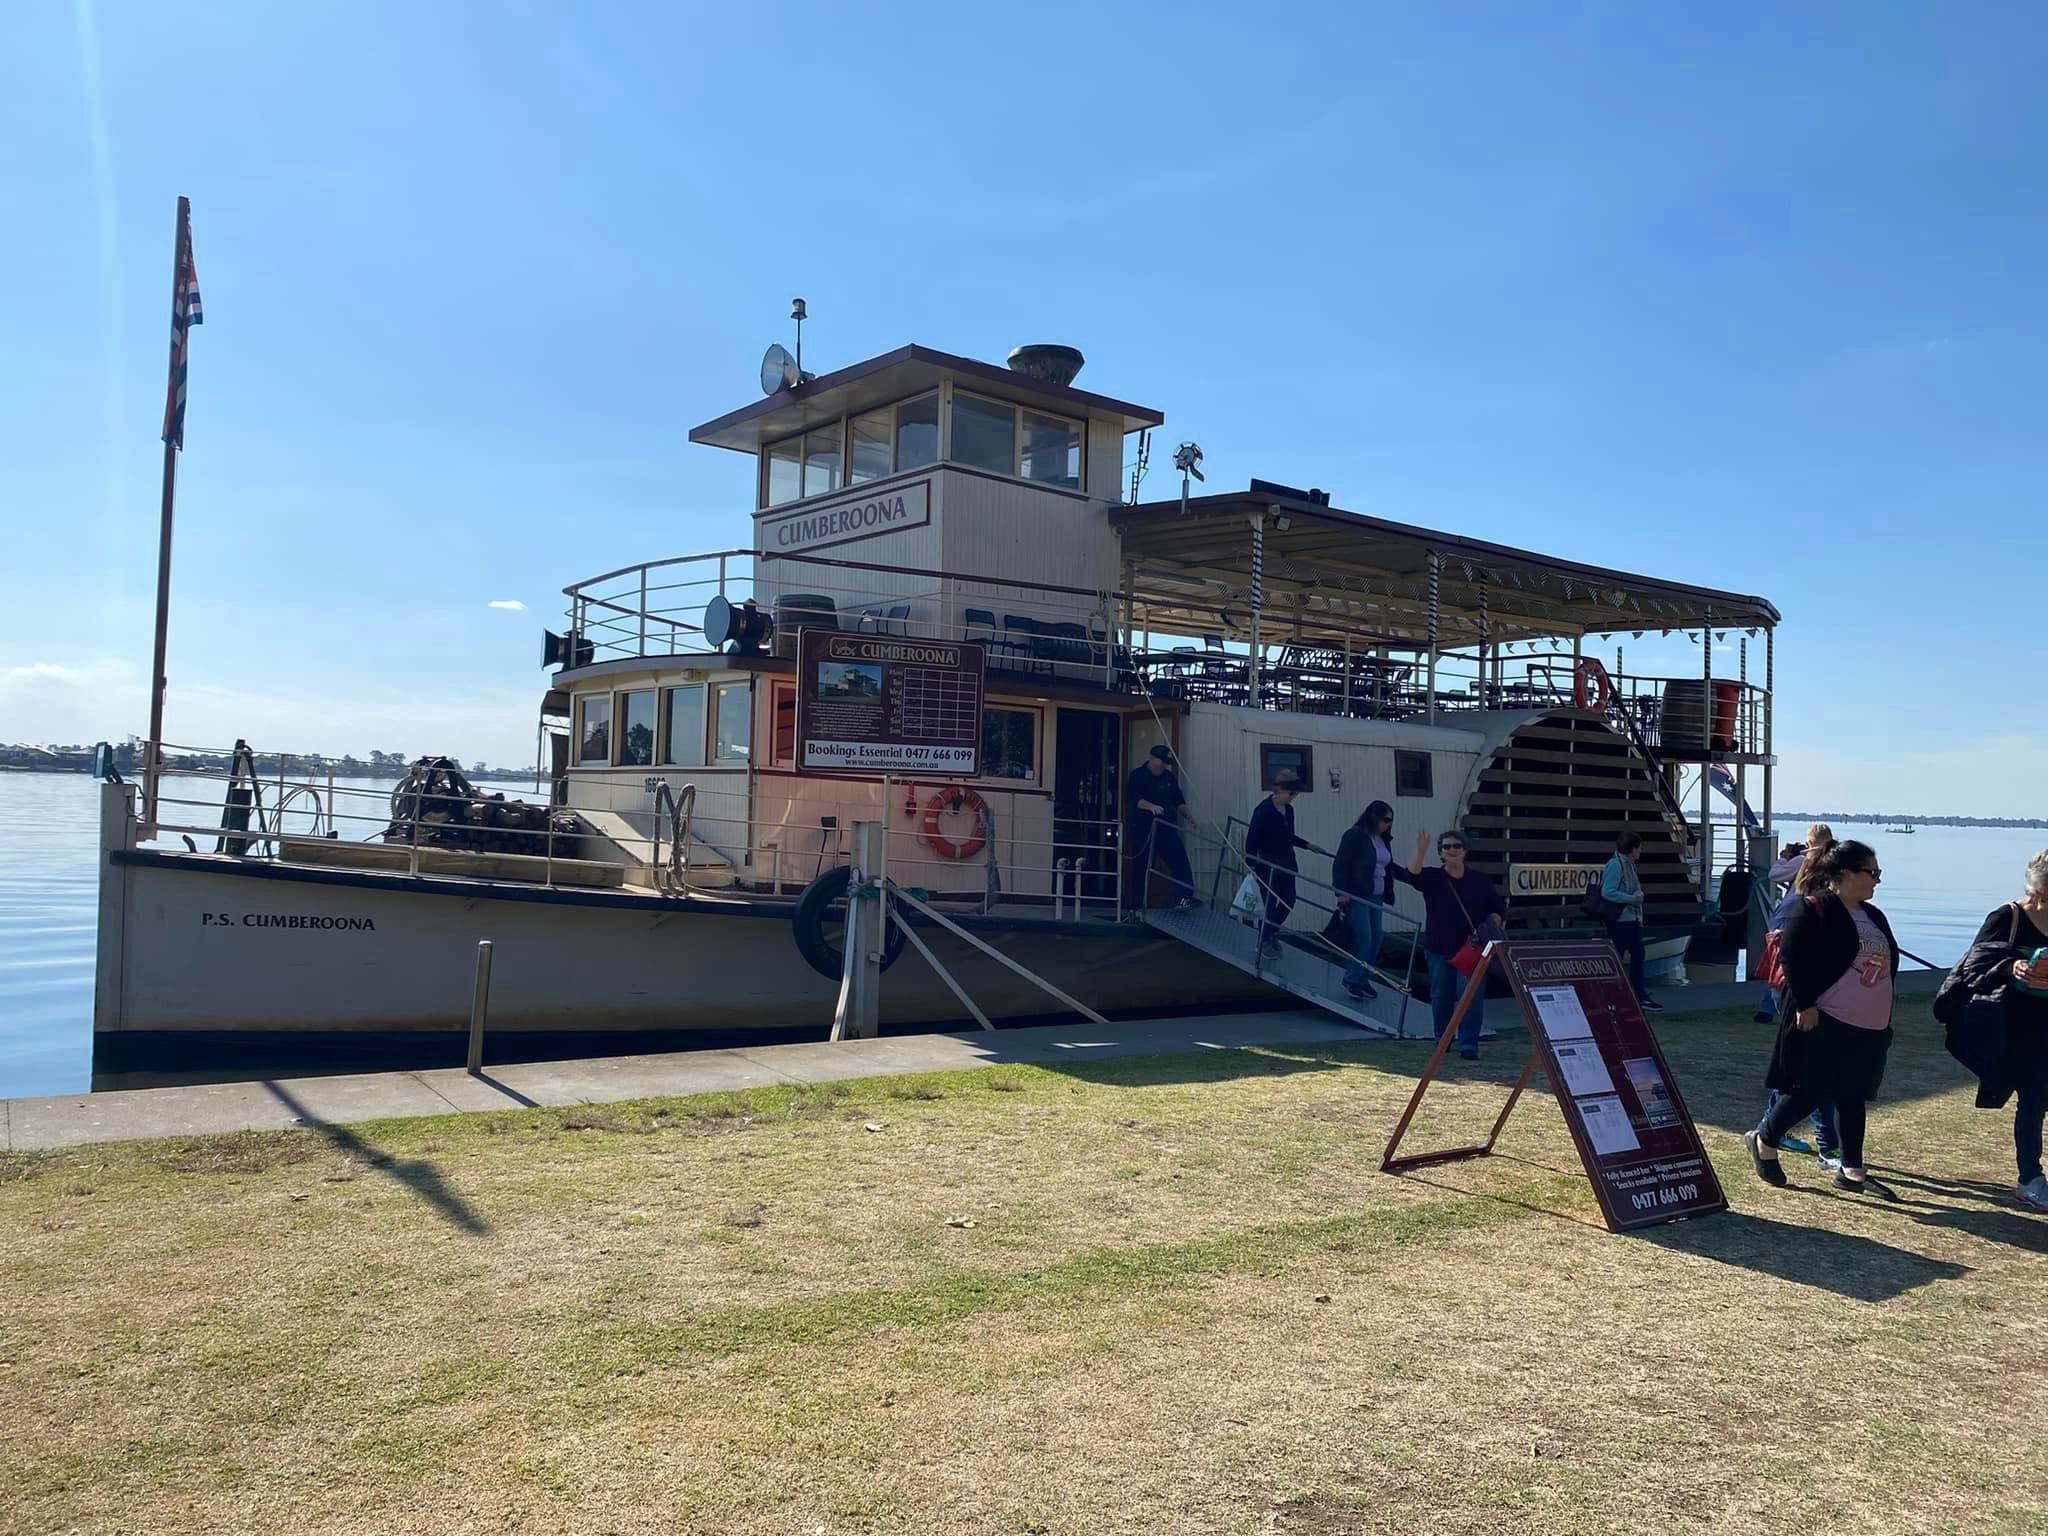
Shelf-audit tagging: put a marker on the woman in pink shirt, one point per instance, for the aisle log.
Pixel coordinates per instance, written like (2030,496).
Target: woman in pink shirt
(1839,958)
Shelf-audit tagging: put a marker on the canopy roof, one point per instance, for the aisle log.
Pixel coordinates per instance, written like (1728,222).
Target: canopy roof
(1327,572)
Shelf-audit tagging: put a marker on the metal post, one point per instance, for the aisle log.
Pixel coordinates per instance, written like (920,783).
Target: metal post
(1258,602)
(1707,758)
(721,575)
(479,1006)
(1770,688)
(858,1015)
(643,610)
(1435,570)
(1485,644)
(1347,672)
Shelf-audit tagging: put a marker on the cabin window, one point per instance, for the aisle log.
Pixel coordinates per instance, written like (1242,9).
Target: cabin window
(1009,744)
(636,728)
(785,471)
(732,724)
(869,455)
(917,432)
(684,745)
(594,729)
(1273,757)
(984,434)
(1412,774)
(1052,451)
(822,451)
(784,711)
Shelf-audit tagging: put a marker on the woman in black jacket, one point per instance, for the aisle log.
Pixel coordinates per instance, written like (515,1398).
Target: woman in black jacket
(1364,878)
(2006,968)
(1835,1025)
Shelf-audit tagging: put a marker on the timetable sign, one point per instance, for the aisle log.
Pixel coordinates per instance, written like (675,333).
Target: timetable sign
(879,704)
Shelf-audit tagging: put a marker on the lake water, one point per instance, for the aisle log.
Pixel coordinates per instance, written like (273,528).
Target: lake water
(1938,884)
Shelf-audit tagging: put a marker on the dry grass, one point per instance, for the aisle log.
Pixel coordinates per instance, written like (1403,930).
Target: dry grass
(1172,1294)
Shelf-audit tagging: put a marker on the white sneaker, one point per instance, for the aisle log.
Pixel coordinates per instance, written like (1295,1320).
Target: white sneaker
(2034,1194)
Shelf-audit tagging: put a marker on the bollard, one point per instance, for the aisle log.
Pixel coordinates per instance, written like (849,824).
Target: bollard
(479,1005)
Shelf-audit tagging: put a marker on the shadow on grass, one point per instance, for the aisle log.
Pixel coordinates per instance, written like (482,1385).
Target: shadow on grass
(1216,1064)
(1860,1268)
(422,1178)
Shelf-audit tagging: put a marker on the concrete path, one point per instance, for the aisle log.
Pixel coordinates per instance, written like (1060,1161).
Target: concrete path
(76,1119)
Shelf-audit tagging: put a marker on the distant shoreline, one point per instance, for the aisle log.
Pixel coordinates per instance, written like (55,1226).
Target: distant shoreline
(1864,818)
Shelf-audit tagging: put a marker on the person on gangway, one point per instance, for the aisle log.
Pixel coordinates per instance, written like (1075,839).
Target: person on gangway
(1269,844)
(1152,802)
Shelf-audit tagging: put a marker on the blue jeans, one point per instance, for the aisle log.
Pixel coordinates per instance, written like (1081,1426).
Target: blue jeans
(1628,943)
(1163,841)
(1368,927)
(1827,1137)
(1445,987)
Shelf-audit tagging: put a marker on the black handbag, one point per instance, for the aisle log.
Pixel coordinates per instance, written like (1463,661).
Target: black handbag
(1593,904)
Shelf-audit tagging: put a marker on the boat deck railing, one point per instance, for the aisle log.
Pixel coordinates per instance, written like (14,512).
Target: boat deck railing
(1100,639)
(698,840)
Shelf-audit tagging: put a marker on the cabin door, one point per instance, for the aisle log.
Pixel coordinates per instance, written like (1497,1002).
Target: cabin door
(1085,784)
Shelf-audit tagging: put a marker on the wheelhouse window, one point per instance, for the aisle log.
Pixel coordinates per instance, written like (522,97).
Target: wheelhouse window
(636,728)
(684,745)
(1052,450)
(785,471)
(917,433)
(868,454)
(1009,744)
(822,450)
(984,433)
(732,724)
(594,729)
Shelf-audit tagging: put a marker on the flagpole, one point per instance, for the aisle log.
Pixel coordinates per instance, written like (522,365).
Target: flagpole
(154,747)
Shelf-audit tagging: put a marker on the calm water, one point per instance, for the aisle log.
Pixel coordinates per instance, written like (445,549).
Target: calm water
(1938,884)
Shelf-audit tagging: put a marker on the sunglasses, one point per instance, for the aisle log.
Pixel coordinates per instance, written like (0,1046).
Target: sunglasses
(1875,874)
(1450,847)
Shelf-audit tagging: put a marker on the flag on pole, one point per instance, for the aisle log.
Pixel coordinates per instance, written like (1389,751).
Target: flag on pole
(185,313)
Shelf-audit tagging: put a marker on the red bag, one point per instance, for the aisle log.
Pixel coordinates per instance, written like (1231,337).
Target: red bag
(1771,972)
(1473,950)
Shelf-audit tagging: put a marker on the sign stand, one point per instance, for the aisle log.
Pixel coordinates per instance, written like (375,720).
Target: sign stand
(1608,1073)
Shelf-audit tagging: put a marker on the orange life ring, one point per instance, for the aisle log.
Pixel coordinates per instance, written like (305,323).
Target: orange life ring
(1587,669)
(938,805)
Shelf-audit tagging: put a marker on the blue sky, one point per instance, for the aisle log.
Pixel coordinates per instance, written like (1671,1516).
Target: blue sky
(1746,295)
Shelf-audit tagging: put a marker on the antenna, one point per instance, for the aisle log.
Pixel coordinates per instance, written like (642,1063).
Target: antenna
(1144,463)
(799,315)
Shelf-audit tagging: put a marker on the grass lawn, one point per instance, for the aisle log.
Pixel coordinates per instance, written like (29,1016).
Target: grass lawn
(1159,1295)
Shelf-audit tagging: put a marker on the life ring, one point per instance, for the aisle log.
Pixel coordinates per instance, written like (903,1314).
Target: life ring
(938,805)
(1588,670)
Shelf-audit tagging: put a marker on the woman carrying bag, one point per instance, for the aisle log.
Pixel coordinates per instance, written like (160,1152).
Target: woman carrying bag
(1995,1004)
(1835,1026)
(1364,878)
(1461,912)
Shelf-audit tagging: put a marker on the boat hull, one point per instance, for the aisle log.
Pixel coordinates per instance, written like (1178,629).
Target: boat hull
(209,945)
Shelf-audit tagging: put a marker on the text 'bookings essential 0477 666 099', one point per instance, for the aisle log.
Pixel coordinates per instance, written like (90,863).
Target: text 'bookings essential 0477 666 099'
(866,703)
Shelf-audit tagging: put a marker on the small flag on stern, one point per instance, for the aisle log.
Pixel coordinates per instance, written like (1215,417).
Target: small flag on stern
(185,313)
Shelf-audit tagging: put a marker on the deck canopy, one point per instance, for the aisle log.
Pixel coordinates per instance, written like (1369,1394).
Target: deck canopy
(1321,574)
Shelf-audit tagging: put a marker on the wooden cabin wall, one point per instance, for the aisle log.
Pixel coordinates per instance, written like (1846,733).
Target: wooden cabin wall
(1220,774)
(1023,532)
(920,548)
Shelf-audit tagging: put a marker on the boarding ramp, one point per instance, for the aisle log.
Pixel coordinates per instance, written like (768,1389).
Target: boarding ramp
(1308,965)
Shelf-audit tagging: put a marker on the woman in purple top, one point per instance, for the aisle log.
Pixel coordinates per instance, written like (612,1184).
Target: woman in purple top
(1458,904)
(1839,958)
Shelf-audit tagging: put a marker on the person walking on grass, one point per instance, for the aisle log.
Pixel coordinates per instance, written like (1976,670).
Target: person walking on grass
(2006,967)
(1807,883)
(1840,959)
(1785,874)
(1269,844)
(1622,888)
(1364,878)
(1458,904)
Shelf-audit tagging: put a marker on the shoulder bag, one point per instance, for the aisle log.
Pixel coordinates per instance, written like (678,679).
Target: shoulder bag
(1469,954)
(1772,971)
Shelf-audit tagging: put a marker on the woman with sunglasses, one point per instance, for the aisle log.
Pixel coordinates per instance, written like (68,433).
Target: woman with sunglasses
(1839,957)
(1458,904)
(1364,878)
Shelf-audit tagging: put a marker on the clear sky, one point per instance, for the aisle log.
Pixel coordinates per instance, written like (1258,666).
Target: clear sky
(1746,295)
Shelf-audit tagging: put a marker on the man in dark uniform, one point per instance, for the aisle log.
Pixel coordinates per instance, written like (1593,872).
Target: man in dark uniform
(1269,844)
(1152,802)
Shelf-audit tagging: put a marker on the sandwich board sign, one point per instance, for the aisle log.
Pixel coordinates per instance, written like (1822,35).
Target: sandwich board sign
(1620,1100)
(877,704)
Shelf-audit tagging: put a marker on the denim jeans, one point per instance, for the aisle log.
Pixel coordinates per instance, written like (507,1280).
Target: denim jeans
(2026,1128)
(1368,927)
(1827,1136)
(1445,987)
(1628,942)
(1163,842)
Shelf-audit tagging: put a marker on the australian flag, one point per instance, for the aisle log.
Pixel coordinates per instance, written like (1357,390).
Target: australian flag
(185,313)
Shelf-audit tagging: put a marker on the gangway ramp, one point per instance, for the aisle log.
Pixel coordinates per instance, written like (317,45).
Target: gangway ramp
(1299,970)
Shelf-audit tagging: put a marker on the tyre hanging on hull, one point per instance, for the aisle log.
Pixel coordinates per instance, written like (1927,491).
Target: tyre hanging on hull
(808,926)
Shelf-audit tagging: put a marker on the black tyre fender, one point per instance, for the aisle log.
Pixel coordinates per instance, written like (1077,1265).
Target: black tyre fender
(808,925)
